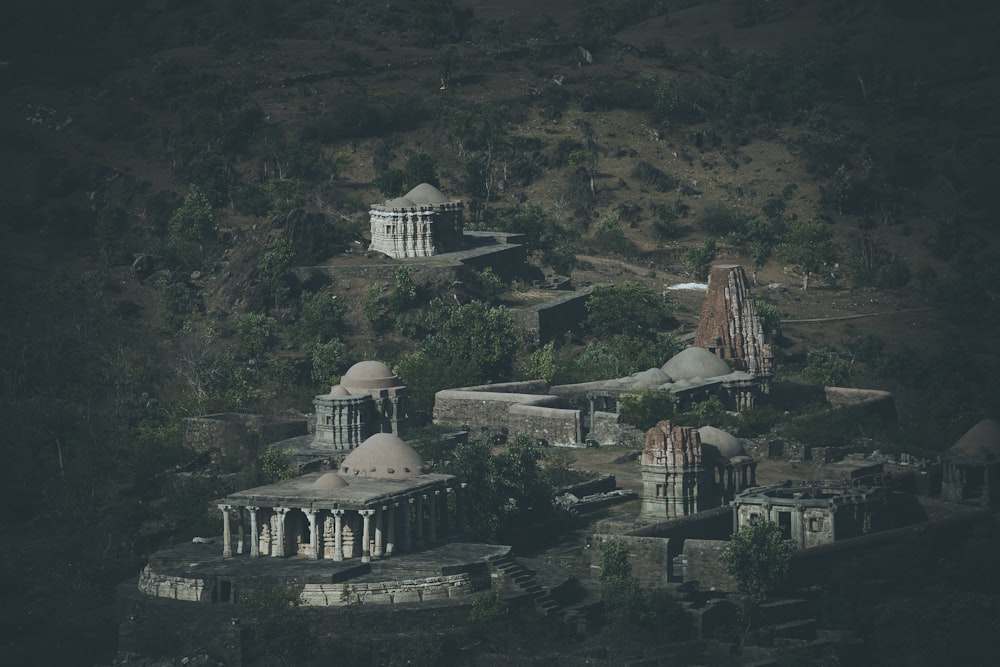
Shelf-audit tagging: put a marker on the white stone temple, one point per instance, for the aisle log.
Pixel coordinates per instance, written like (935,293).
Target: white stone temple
(421,223)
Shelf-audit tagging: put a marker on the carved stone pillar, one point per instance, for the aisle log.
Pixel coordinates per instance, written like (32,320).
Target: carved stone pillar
(278,546)
(338,535)
(432,517)
(227,538)
(407,535)
(390,529)
(254,535)
(419,522)
(313,534)
(366,517)
(377,552)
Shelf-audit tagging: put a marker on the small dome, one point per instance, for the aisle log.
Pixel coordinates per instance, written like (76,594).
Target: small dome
(385,456)
(400,202)
(727,444)
(366,375)
(654,377)
(329,481)
(695,362)
(338,391)
(982,441)
(426,194)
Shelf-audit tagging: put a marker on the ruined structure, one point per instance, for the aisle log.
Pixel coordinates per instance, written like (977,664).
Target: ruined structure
(971,467)
(369,399)
(687,470)
(364,510)
(421,223)
(730,326)
(812,514)
(575,413)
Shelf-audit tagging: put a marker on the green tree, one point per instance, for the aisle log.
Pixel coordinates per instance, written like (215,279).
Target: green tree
(192,229)
(633,611)
(420,168)
(327,359)
(646,409)
(808,244)
(483,508)
(522,480)
(321,318)
(700,259)
(276,631)
(274,271)
(758,557)
(275,464)
(826,367)
(630,309)
(254,333)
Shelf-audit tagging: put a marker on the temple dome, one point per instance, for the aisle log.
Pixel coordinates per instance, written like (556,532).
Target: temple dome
(385,456)
(649,379)
(330,481)
(426,194)
(338,391)
(369,375)
(695,362)
(727,444)
(979,442)
(400,202)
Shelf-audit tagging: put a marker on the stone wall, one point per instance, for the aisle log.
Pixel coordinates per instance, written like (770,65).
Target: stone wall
(550,320)
(158,585)
(392,592)
(554,425)
(239,434)
(607,431)
(648,556)
(701,563)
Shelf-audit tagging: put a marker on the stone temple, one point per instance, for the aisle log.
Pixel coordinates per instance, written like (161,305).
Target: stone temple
(421,223)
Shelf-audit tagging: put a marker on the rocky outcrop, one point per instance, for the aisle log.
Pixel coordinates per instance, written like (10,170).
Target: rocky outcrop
(730,326)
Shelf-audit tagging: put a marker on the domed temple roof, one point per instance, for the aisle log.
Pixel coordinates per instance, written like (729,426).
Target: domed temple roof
(384,456)
(426,194)
(330,480)
(338,391)
(979,442)
(400,202)
(695,363)
(370,375)
(727,444)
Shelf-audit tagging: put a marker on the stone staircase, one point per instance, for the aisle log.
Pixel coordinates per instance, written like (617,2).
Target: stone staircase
(786,619)
(507,571)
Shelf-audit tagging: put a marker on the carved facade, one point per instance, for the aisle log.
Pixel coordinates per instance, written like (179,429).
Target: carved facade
(730,325)
(687,470)
(421,223)
(970,469)
(370,399)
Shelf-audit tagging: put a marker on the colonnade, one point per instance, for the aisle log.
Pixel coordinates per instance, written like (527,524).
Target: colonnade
(395,525)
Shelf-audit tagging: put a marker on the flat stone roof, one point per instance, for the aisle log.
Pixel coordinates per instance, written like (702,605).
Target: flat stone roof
(361,492)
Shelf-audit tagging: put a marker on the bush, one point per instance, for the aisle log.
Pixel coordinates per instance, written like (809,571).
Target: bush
(700,260)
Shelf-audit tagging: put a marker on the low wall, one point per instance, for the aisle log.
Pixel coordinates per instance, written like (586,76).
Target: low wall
(702,563)
(552,319)
(648,556)
(188,589)
(476,409)
(391,592)
(555,425)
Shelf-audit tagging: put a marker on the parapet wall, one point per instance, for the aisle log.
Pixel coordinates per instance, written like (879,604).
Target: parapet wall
(550,320)
(503,406)
(392,592)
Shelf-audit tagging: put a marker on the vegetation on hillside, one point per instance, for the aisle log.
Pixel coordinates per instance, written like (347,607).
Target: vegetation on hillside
(173,166)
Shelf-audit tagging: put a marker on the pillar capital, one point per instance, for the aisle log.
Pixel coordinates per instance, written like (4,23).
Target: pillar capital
(366,512)
(224,507)
(337,513)
(281,510)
